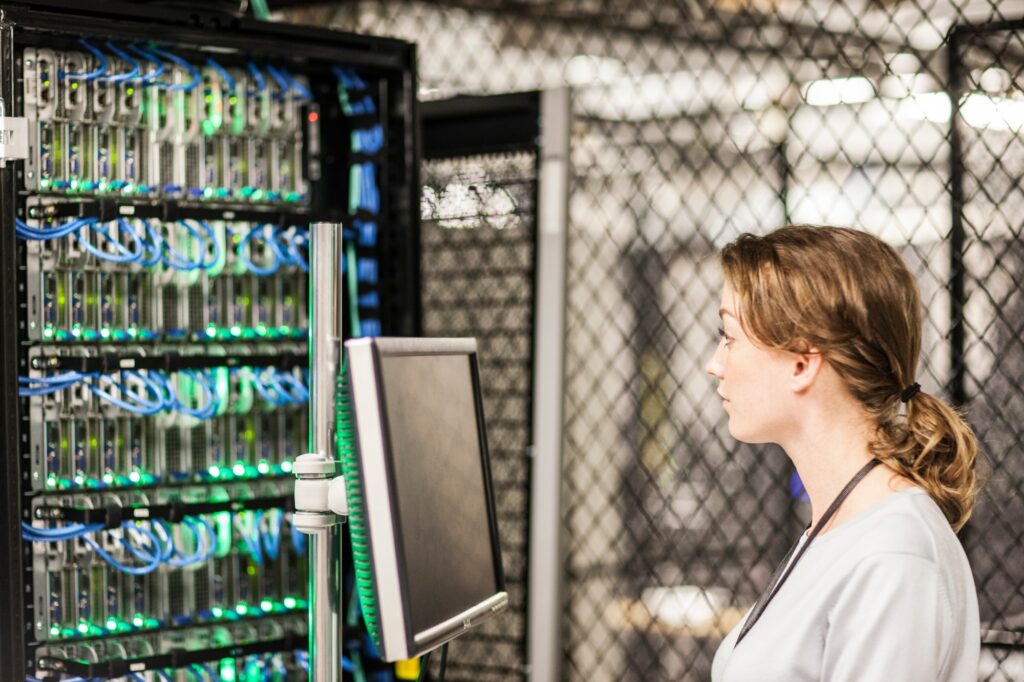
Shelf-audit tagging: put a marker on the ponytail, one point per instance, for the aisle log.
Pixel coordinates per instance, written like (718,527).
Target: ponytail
(933,446)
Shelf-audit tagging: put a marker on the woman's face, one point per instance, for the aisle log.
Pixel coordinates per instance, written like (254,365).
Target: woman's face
(752,380)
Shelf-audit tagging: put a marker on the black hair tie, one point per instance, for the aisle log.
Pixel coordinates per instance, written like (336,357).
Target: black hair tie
(910,391)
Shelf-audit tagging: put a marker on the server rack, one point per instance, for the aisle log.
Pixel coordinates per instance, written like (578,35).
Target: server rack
(153,339)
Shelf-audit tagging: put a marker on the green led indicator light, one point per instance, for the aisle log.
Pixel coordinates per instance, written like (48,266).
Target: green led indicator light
(79,479)
(138,620)
(83,627)
(54,630)
(130,91)
(236,330)
(76,331)
(105,333)
(266,605)
(44,183)
(215,471)
(238,469)
(135,477)
(111,624)
(74,85)
(51,481)
(217,611)
(289,602)
(286,467)
(108,478)
(263,467)
(227,670)
(242,609)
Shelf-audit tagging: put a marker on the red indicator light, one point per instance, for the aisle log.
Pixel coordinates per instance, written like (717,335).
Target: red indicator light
(313,117)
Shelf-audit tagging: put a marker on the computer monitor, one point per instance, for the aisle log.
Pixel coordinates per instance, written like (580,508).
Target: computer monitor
(421,502)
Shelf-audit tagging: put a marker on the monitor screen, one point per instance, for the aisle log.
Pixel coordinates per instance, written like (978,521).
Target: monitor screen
(425,488)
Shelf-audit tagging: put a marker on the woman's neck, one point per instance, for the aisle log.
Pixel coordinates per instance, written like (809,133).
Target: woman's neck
(826,460)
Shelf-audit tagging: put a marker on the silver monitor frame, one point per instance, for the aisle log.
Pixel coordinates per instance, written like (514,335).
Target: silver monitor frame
(398,642)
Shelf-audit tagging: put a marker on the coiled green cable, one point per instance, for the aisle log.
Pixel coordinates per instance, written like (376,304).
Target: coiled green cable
(350,469)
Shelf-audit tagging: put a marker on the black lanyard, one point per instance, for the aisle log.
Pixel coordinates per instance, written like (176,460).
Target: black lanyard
(785,568)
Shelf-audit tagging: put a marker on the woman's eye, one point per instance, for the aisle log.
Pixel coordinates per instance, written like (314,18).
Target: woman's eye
(722,335)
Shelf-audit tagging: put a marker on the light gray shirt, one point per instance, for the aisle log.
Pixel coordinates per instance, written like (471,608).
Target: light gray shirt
(887,595)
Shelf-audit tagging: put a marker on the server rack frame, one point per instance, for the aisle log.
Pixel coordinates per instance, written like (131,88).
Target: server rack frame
(392,61)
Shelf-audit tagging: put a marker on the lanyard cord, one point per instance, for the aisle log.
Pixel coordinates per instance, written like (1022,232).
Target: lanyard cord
(785,568)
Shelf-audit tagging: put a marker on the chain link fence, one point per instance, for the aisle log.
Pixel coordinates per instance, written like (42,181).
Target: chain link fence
(477,263)
(694,122)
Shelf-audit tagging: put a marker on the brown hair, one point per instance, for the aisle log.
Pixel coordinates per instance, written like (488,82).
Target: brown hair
(850,296)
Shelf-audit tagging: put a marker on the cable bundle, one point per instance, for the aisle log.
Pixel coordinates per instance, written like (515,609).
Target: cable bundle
(159,249)
(363,192)
(152,392)
(368,141)
(150,54)
(147,248)
(260,533)
(280,388)
(348,81)
(285,247)
(157,546)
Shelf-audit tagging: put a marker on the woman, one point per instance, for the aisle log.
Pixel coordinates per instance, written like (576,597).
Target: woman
(820,344)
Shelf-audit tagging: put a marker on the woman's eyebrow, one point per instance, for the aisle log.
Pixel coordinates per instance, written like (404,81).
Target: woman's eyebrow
(724,311)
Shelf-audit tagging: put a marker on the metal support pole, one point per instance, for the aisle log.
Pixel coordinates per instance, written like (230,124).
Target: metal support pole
(316,470)
(544,608)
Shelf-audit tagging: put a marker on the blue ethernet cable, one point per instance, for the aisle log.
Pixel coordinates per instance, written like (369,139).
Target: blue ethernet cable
(282,85)
(63,534)
(158,551)
(142,405)
(89,75)
(261,83)
(214,244)
(297,239)
(264,391)
(48,385)
(298,87)
(279,380)
(153,387)
(184,64)
(250,538)
(82,531)
(176,260)
(25,231)
(123,255)
(228,80)
(272,538)
(247,260)
(134,74)
(149,78)
(152,243)
(210,402)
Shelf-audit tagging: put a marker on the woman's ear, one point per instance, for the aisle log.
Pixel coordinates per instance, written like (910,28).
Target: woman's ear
(805,369)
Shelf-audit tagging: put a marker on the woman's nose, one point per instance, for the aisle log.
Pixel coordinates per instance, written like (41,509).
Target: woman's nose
(714,365)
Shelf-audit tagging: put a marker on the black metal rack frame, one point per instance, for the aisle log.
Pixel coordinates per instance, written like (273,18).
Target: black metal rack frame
(390,63)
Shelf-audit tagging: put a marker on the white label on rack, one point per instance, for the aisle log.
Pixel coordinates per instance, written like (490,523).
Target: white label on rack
(13,137)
